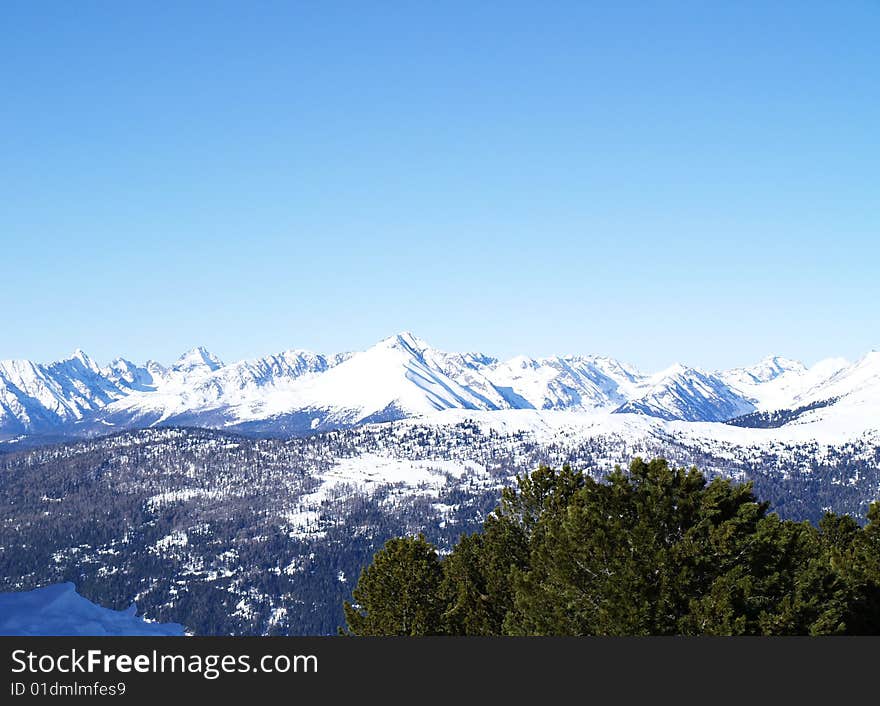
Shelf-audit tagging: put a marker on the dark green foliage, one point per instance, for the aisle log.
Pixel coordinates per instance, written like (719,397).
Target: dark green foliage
(399,593)
(628,556)
(657,550)
(477,577)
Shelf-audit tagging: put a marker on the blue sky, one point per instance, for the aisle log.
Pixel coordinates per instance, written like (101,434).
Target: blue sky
(656,181)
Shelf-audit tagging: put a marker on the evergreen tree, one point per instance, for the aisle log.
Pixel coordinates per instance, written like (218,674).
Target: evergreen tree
(479,571)
(627,556)
(477,577)
(399,592)
(865,573)
(543,492)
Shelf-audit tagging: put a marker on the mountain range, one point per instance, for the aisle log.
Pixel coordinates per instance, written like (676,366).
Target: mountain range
(401,377)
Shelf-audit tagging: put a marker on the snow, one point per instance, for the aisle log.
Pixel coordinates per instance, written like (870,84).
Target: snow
(832,425)
(690,394)
(861,380)
(277,616)
(60,610)
(197,359)
(171,541)
(178,496)
(404,377)
(368,472)
(778,383)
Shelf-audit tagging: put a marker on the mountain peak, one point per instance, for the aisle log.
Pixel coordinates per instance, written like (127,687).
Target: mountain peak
(772,366)
(782,362)
(82,357)
(870,360)
(673,370)
(121,365)
(405,340)
(523,362)
(197,358)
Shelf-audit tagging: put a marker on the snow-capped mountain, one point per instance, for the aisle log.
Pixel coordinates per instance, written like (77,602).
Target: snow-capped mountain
(400,377)
(38,398)
(690,395)
(566,382)
(851,381)
(777,383)
(197,360)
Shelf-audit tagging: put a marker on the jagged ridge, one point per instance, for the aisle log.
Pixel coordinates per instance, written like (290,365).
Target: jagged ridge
(402,376)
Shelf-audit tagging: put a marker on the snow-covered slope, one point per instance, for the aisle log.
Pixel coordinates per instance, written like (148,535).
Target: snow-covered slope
(199,390)
(779,383)
(852,395)
(401,377)
(688,394)
(566,382)
(59,610)
(860,380)
(39,398)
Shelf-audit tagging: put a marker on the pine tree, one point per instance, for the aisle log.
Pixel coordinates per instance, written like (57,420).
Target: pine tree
(399,592)
(478,574)
(866,574)
(627,557)
(480,570)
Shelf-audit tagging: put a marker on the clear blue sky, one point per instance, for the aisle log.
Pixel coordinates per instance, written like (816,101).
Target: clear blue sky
(656,181)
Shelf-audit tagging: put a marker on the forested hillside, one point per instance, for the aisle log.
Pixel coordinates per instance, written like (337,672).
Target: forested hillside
(226,534)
